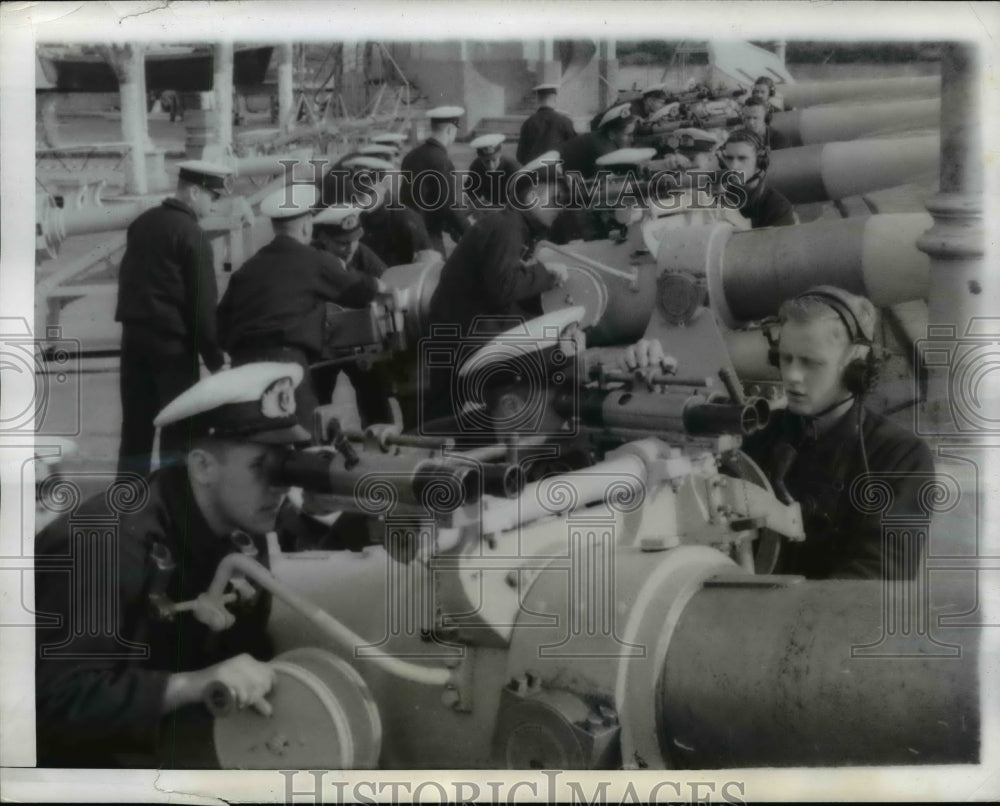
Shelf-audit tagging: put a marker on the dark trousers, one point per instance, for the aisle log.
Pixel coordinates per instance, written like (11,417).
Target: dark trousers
(372,388)
(154,371)
(305,394)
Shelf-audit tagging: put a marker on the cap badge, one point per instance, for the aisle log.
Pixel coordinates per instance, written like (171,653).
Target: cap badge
(278,399)
(350,222)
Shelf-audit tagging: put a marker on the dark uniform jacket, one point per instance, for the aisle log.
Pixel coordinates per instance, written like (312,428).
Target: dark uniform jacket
(395,234)
(766,207)
(440,209)
(842,541)
(98,700)
(581,153)
(545,130)
(486,275)
(276,299)
(366,262)
(775,139)
(166,282)
(489,187)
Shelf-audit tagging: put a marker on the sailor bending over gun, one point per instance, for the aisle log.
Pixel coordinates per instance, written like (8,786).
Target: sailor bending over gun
(120,669)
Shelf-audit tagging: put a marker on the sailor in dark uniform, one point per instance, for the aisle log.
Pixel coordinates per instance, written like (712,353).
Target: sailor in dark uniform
(392,231)
(338,230)
(489,282)
(166,303)
(614,131)
(123,687)
(490,171)
(431,185)
(650,101)
(746,187)
(275,305)
(546,129)
(822,447)
(756,117)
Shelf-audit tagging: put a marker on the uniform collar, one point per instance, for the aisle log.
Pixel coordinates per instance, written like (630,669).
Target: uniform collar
(535,229)
(754,198)
(287,242)
(193,542)
(184,207)
(802,432)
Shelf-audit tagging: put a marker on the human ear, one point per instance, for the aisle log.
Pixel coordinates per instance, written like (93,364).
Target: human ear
(202,466)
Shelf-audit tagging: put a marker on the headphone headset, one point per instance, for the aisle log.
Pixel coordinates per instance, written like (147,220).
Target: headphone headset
(768,112)
(860,374)
(747,136)
(769,83)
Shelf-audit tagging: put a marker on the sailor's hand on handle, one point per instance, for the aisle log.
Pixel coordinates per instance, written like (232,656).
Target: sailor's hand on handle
(646,355)
(559,272)
(237,682)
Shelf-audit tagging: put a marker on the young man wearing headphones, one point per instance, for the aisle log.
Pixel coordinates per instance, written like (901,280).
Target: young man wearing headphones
(818,449)
(764,89)
(756,116)
(746,159)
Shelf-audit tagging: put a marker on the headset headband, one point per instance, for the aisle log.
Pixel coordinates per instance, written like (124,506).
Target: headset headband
(844,311)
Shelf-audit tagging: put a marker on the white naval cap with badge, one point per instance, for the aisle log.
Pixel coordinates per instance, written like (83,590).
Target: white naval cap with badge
(487,145)
(290,202)
(548,165)
(624,158)
(657,89)
(390,138)
(544,89)
(378,150)
(367,162)
(341,221)
(616,114)
(251,403)
(446,114)
(211,176)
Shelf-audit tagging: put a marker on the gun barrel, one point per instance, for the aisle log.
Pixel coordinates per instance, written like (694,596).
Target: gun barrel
(836,123)
(750,273)
(408,479)
(823,172)
(813,93)
(719,714)
(665,412)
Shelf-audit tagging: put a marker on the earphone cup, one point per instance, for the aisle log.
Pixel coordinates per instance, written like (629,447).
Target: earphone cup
(773,358)
(861,375)
(763,160)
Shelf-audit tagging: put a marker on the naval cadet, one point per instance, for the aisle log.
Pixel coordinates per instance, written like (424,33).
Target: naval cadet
(819,449)
(489,282)
(764,90)
(431,185)
(338,230)
(746,159)
(650,101)
(120,675)
(614,131)
(490,171)
(275,306)
(546,129)
(756,117)
(167,295)
(394,232)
